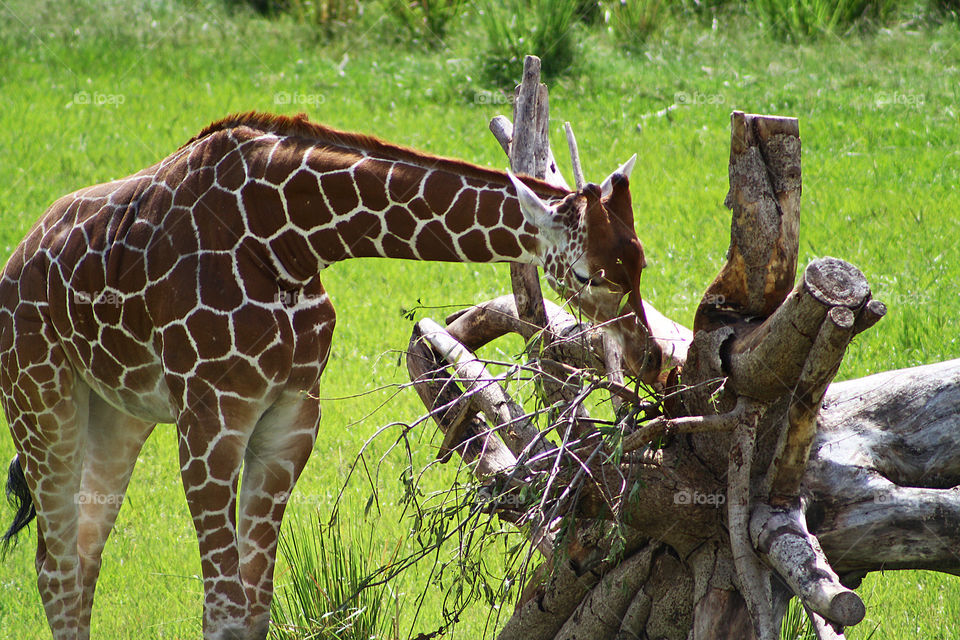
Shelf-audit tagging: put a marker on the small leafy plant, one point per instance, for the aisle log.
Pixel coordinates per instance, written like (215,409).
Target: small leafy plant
(633,22)
(425,20)
(798,19)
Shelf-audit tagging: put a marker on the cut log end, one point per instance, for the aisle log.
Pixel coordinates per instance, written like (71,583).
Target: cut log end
(847,609)
(836,283)
(841,317)
(768,125)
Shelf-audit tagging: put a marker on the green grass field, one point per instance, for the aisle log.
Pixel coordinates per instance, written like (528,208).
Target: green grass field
(91,91)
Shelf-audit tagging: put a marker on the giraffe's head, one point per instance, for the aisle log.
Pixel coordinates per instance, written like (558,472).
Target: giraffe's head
(591,255)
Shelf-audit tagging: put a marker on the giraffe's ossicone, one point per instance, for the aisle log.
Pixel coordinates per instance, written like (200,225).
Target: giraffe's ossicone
(189,293)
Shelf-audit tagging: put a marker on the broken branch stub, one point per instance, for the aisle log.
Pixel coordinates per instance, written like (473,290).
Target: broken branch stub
(528,151)
(781,536)
(764,195)
(767,362)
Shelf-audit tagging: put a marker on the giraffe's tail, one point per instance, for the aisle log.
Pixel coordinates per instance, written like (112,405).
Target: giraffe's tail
(18,494)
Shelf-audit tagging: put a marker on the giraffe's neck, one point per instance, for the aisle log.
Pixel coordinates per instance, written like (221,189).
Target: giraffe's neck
(343,201)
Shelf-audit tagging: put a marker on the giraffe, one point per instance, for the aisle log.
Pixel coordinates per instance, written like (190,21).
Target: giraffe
(189,293)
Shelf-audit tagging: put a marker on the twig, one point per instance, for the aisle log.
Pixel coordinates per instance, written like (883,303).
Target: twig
(658,114)
(692,424)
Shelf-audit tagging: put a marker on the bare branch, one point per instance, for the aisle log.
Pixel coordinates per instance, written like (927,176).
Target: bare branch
(528,155)
(787,468)
(781,536)
(512,426)
(502,130)
(578,178)
(694,424)
(764,235)
(754,578)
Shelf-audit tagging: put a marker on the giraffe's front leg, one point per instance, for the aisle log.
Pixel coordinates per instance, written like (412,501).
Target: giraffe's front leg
(275,456)
(212,443)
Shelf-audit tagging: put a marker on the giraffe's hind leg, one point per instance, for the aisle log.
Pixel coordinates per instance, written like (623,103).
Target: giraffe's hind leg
(113,443)
(275,456)
(213,434)
(46,408)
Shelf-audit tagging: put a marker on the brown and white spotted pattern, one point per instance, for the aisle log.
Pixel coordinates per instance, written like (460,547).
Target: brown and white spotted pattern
(189,293)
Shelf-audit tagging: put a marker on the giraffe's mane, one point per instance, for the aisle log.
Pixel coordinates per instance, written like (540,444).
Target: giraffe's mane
(300,126)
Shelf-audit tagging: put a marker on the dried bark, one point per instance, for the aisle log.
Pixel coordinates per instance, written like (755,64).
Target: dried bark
(463,427)
(883,479)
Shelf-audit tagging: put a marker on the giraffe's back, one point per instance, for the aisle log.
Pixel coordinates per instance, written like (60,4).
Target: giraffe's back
(146,281)
(67,288)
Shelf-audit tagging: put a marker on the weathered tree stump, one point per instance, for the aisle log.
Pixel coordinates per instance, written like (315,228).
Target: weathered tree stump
(747,478)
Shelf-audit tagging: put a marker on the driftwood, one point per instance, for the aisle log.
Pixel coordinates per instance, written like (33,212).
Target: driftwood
(745,477)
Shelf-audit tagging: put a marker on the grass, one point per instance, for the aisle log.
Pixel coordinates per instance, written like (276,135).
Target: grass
(426,20)
(329,595)
(92,91)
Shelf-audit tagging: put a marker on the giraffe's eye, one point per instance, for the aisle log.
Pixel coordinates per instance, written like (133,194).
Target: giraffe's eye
(587,281)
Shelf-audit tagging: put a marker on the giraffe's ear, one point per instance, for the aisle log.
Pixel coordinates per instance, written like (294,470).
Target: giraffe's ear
(536,211)
(606,188)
